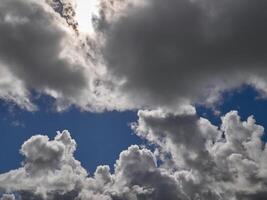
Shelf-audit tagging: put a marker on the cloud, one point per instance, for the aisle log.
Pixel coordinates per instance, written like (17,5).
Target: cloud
(165,53)
(161,56)
(41,53)
(226,162)
(8,197)
(66,9)
(193,159)
(143,55)
(49,169)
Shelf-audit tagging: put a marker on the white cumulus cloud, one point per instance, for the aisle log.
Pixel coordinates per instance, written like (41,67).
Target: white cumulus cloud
(192,159)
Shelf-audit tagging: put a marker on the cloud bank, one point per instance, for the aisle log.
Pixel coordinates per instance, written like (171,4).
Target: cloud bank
(193,159)
(142,55)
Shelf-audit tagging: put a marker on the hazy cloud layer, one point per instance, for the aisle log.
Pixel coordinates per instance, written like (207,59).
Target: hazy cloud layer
(193,159)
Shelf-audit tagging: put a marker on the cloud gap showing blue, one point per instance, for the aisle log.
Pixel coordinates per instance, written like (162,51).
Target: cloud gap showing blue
(246,100)
(100,136)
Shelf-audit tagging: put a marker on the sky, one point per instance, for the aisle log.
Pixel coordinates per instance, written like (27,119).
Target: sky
(100,137)
(133,100)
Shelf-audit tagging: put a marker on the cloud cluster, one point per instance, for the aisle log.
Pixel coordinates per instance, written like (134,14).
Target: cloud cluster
(224,163)
(159,55)
(192,159)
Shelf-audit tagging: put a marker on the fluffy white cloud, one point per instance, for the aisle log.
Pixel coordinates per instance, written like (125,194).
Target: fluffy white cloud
(226,162)
(193,159)
(49,167)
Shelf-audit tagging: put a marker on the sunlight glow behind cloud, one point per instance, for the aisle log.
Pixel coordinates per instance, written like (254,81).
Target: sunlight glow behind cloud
(84,12)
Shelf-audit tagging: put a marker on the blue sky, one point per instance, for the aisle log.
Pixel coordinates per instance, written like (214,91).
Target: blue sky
(100,137)
(245,100)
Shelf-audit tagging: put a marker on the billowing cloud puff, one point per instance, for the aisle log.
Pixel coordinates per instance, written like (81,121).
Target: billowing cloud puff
(192,159)
(164,53)
(49,168)
(8,197)
(225,162)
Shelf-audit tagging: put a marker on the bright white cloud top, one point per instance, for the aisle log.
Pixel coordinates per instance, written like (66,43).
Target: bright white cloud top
(162,57)
(197,162)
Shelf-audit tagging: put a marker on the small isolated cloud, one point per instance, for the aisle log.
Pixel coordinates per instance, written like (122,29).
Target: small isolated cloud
(193,159)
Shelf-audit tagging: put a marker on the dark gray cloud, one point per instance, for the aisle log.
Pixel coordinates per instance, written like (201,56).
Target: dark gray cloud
(40,52)
(144,54)
(31,46)
(166,52)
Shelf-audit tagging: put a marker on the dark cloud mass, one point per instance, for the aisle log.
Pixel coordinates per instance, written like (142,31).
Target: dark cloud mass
(142,55)
(38,51)
(192,160)
(166,51)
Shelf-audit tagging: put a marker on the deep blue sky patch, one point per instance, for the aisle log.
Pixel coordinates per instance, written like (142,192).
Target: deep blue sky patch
(246,100)
(100,137)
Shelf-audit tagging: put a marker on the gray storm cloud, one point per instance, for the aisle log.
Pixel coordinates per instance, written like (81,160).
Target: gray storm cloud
(144,54)
(40,52)
(166,52)
(193,159)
